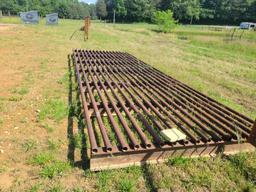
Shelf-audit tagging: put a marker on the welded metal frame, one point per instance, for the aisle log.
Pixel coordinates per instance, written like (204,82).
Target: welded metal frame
(139,101)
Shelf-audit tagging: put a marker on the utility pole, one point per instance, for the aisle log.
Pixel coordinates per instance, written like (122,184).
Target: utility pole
(114,17)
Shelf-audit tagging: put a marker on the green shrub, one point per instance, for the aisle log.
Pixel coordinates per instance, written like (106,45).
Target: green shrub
(165,21)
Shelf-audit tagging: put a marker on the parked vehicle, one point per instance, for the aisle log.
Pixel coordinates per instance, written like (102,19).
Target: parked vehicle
(248,25)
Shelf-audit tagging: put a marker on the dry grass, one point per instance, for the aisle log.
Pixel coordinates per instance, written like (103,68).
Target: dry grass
(34,104)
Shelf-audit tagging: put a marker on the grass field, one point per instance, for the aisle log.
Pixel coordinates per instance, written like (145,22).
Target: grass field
(39,151)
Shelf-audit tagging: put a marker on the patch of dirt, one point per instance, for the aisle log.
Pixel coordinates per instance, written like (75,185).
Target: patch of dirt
(5,181)
(4,27)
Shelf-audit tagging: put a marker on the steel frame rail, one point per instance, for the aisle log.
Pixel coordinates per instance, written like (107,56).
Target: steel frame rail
(126,103)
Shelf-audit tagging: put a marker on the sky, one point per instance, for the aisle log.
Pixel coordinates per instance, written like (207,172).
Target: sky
(89,1)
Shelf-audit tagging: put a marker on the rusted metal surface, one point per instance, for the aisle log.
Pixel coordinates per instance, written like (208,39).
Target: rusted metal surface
(87,23)
(252,137)
(127,103)
(157,155)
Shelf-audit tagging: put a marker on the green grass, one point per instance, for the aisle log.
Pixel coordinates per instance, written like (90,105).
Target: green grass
(76,140)
(120,180)
(12,20)
(42,159)
(15,98)
(54,109)
(34,188)
(20,90)
(127,185)
(56,188)
(192,175)
(29,144)
(53,169)
(48,128)
(196,55)
(52,144)
(246,164)
(1,121)
(179,161)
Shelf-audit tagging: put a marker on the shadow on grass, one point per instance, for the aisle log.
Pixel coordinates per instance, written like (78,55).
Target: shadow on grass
(158,31)
(77,35)
(75,112)
(148,179)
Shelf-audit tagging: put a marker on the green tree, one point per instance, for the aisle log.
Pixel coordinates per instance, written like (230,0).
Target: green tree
(185,10)
(204,11)
(63,10)
(193,10)
(101,9)
(138,10)
(120,9)
(165,21)
(92,10)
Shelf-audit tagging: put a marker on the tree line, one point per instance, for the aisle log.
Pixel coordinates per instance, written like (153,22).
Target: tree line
(70,9)
(185,11)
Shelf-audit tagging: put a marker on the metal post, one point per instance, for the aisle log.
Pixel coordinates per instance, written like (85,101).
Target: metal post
(86,27)
(252,138)
(1,14)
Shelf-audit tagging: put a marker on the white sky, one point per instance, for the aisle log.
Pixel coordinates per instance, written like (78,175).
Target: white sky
(88,1)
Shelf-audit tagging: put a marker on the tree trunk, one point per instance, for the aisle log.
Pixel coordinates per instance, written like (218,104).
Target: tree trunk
(191,20)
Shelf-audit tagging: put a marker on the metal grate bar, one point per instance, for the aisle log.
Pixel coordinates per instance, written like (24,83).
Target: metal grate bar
(139,102)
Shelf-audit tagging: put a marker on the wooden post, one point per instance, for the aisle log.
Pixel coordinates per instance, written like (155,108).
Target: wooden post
(252,138)
(87,22)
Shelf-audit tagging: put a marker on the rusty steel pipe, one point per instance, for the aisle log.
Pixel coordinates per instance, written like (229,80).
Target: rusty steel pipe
(97,113)
(119,135)
(219,117)
(201,96)
(139,131)
(91,134)
(126,84)
(210,110)
(126,127)
(204,137)
(199,110)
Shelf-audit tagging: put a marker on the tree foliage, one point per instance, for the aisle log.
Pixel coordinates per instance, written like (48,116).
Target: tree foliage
(186,11)
(72,9)
(101,9)
(165,21)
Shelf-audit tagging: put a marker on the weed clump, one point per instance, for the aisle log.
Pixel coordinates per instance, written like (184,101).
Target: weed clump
(42,159)
(54,109)
(50,167)
(55,168)
(29,145)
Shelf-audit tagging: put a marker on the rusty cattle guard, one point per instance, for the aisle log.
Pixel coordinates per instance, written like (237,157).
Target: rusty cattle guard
(127,103)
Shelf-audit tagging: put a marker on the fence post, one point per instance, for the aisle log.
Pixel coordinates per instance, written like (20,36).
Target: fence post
(87,22)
